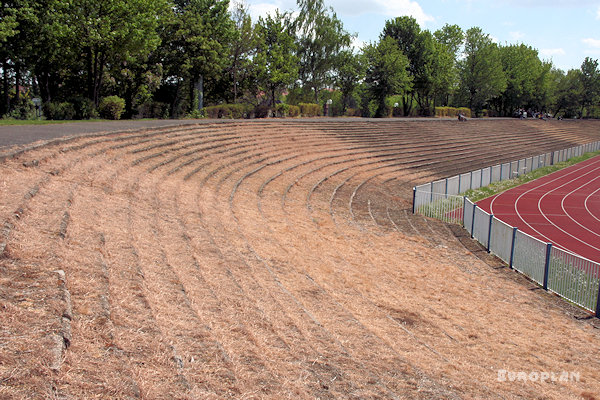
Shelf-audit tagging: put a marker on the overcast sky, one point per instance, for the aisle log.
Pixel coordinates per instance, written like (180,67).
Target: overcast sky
(564,31)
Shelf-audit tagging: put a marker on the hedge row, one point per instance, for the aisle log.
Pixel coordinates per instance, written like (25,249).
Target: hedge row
(310,110)
(452,112)
(228,111)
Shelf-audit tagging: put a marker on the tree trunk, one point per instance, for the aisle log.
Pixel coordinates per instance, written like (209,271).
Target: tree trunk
(199,91)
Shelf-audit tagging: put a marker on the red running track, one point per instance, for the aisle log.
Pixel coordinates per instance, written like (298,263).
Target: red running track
(562,208)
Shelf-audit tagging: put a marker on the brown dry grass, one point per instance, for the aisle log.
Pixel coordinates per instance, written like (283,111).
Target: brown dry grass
(271,260)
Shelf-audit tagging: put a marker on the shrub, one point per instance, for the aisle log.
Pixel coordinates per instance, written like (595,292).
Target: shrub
(262,111)
(235,111)
(465,111)
(84,108)
(24,109)
(310,110)
(293,111)
(353,112)
(282,110)
(452,112)
(59,110)
(111,107)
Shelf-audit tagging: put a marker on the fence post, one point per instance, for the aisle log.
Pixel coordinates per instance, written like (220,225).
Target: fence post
(464,208)
(598,304)
(414,197)
(481,178)
(490,232)
(512,247)
(446,189)
(471,180)
(431,191)
(552,158)
(547,265)
(473,220)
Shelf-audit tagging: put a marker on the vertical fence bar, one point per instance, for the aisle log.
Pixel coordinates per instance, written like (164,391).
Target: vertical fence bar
(414,198)
(490,232)
(547,265)
(512,247)
(473,220)
(598,304)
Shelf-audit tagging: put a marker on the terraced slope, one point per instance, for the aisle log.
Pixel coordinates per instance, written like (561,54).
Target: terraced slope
(270,259)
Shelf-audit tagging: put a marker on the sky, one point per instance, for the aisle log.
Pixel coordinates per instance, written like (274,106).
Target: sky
(563,31)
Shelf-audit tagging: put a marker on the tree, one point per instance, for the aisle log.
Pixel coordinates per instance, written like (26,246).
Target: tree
(482,77)
(430,64)
(275,57)
(568,92)
(242,47)
(350,73)
(321,39)
(195,49)
(590,81)
(451,39)
(113,32)
(386,72)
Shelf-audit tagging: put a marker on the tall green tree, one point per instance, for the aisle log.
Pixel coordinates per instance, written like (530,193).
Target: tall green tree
(523,70)
(275,57)
(387,72)
(451,39)
(195,49)
(429,66)
(569,91)
(481,73)
(350,73)
(321,38)
(242,49)
(590,81)
(112,32)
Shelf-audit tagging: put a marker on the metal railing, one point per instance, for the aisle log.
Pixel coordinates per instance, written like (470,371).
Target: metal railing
(569,275)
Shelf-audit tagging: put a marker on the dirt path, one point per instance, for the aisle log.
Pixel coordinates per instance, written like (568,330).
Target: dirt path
(270,259)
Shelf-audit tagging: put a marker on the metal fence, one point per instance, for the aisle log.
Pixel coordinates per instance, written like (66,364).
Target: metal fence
(570,276)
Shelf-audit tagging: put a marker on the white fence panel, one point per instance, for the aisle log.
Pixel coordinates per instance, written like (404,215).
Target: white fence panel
(528,164)
(439,186)
(496,173)
(530,256)
(465,182)
(481,226)
(535,162)
(505,172)
(501,239)
(453,185)
(468,216)
(575,278)
(486,176)
(476,179)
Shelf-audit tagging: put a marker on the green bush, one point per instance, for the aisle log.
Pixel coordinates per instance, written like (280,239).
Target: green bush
(262,111)
(310,110)
(452,112)
(229,111)
(111,107)
(23,110)
(59,110)
(282,110)
(84,108)
(293,111)
(353,112)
